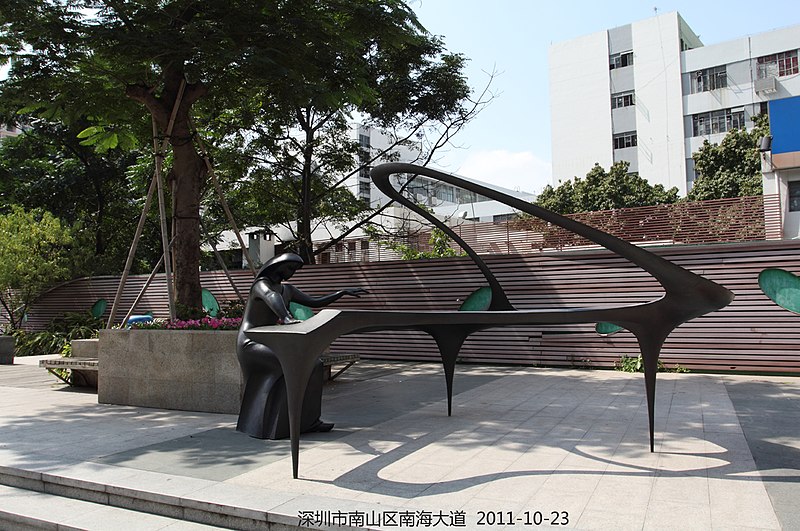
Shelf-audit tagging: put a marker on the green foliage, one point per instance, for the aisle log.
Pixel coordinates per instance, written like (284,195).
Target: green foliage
(47,167)
(35,253)
(57,337)
(440,248)
(731,168)
(605,190)
(256,74)
(232,309)
(185,312)
(628,364)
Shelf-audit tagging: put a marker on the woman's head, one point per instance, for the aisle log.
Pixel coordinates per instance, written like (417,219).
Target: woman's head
(281,267)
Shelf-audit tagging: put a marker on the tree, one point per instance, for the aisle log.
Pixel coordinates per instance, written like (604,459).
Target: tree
(602,190)
(416,95)
(35,253)
(47,167)
(731,168)
(76,58)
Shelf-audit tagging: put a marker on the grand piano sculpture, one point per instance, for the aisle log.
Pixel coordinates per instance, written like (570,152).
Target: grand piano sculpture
(687,295)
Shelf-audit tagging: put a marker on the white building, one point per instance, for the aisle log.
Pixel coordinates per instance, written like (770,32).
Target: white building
(444,199)
(650,93)
(9,131)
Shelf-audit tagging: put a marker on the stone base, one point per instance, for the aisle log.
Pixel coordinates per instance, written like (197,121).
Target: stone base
(84,348)
(7,350)
(191,370)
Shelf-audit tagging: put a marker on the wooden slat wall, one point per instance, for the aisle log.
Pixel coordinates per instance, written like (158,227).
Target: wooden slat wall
(752,334)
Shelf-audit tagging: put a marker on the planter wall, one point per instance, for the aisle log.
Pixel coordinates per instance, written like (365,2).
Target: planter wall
(6,350)
(191,370)
(84,348)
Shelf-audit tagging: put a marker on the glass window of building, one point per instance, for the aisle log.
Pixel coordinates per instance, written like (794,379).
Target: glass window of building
(363,190)
(500,218)
(709,79)
(777,65)
(622,99)
(625,140)
(722,121)
(794,196)
(620,60)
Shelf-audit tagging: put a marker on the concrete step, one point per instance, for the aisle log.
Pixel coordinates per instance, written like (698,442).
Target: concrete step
(23,510)
(30,497)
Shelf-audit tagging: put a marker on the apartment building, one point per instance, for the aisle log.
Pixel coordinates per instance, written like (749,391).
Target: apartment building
(650,93)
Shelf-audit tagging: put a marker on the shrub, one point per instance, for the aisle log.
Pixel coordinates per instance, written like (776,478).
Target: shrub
(56,339)
(232,309)
(628,364)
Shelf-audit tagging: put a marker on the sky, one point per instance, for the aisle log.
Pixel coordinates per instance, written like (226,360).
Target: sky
(508,144)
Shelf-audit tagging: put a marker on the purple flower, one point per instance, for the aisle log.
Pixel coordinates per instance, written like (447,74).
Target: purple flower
(206,323)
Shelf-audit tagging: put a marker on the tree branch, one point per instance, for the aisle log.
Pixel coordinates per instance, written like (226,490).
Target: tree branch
(144,95)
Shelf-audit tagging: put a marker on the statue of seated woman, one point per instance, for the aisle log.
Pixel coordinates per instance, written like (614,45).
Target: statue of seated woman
(264,413)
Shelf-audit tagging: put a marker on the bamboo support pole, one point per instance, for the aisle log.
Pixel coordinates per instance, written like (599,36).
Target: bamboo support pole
(138,234)
(222,200)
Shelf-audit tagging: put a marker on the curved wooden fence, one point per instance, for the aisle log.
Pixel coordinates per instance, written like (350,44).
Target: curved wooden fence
(752,334)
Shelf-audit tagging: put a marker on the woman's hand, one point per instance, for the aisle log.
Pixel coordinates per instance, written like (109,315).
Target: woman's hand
(354,292)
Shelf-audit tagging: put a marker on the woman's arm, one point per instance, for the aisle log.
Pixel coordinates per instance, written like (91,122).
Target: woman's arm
(274,302)
(318,302)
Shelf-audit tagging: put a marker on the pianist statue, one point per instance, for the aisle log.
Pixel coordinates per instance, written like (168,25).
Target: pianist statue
(264,413)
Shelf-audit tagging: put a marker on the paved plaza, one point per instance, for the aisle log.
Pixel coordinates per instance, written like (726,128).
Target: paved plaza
(525,448)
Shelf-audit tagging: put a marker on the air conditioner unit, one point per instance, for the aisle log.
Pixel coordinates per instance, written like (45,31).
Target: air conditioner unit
(767,85)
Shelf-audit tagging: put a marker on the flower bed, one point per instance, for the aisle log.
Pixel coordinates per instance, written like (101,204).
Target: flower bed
(206,323)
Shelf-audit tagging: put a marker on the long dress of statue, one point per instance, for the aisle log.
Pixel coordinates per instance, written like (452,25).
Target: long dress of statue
(264,413)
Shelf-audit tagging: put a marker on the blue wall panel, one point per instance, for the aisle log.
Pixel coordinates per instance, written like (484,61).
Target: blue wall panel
(784,124)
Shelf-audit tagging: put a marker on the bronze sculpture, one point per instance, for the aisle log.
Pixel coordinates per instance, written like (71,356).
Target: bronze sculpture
(687,295)
(264,410)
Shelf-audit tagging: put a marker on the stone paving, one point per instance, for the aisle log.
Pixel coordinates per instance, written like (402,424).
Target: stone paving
(523,445)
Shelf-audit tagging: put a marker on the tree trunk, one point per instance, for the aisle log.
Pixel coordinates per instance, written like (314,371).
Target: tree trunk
(305,247)
(189,172)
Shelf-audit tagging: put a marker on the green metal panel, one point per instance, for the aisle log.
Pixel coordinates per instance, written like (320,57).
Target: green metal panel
(606,329)
(210,303)
(300,312)
(478,301)
(99,308)
(782,287)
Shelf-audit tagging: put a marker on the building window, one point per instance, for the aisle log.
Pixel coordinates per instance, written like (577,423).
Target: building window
(709,79)
(446,193)
(620,60)
(777,65)
(794,196)
(625,140)
(465,196)
(622,99)
(710,123)
(363,141)
(363,190)
(500,218)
